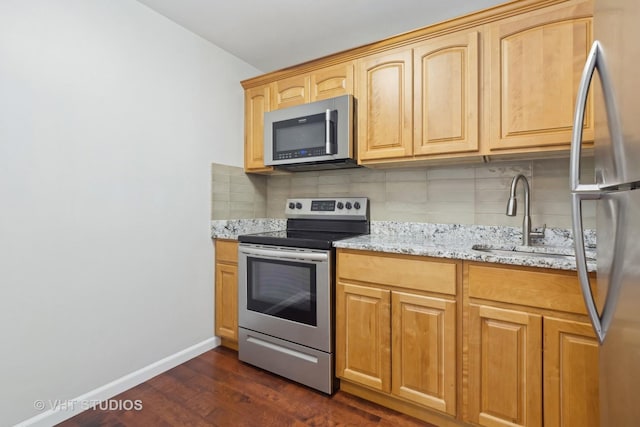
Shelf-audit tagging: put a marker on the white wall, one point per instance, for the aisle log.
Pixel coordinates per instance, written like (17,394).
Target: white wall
(110,117)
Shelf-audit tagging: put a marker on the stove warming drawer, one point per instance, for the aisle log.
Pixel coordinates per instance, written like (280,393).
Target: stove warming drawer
(302,364)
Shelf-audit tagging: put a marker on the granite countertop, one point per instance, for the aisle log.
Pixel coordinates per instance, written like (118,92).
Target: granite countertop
(232,228)
(456,242)
(443,241)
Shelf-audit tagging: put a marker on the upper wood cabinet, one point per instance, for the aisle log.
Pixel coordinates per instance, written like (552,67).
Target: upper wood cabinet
(256,103)
(332,81)
(421,100)
(535,62)
(385,110)
(446,94)
(499,82)
(320,84)
(291,91)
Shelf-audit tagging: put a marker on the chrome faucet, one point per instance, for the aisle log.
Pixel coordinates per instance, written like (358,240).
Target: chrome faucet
(512,208)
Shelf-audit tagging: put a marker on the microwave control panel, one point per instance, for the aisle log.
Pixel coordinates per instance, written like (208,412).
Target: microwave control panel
(297,154)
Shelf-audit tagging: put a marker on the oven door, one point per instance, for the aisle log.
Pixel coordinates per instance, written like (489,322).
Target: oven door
(286,293)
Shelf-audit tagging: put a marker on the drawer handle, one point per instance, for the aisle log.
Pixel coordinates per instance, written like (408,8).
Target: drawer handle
(284,350)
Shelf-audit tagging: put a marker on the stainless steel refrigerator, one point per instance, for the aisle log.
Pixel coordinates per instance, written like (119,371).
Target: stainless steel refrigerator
(613,66)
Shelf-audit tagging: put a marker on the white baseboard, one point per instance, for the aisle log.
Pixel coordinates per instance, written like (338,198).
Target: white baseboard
(63,412)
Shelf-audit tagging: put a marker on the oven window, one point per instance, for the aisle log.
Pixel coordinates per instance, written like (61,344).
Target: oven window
(282,289)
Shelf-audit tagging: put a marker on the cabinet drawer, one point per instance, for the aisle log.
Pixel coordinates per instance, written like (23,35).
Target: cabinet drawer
(549,289)
(227,251)
(406,271)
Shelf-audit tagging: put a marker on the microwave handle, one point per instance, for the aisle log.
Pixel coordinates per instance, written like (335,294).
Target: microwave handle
(329,135)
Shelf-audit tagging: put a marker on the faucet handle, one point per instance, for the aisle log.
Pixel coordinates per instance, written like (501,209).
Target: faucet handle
(539,234)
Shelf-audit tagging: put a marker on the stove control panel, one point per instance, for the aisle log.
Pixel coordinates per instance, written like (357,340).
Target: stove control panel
(356,208)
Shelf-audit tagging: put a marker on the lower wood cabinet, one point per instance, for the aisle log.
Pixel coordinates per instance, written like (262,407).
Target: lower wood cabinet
(505,367)
(570,374)
(363,330)
(392,334)
(226,292)
(452,342)
(466,343)
(528,365)
(423,334)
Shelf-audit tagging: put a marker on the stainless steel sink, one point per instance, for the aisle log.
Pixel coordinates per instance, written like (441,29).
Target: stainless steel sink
(531,251)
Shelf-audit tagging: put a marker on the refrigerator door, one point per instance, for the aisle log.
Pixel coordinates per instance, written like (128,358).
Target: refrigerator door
(616,56)
(616,28)
(618,220)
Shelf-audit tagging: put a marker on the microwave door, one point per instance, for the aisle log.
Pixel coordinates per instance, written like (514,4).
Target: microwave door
(299,138)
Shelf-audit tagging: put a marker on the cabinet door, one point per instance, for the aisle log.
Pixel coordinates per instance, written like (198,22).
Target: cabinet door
(505,367)
(291,91)
(363,335)
(256,102)
(536,62)
(332,81)
(424,350)
(226,301)
(570,374)
(446,94)
(385,106)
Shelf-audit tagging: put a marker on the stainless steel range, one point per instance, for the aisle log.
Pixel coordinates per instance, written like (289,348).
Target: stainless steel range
(286,290)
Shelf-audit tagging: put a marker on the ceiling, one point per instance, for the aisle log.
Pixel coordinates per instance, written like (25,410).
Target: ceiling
(274,34)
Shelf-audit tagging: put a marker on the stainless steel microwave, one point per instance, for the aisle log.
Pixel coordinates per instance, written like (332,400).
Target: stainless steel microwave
(319,135)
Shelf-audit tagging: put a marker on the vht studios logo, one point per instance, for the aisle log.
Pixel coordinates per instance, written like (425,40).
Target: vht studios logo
(104,405)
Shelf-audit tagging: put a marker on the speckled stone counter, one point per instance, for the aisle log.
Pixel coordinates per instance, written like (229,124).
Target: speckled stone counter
(232,228)
(456,241)
(442,241)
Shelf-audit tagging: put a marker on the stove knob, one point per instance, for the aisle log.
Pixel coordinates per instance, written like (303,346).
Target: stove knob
(298,205)
(348,205)
(340,205)
(292,205)
(356,205)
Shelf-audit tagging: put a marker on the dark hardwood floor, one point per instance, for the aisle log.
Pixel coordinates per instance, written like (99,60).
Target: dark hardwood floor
(215,389)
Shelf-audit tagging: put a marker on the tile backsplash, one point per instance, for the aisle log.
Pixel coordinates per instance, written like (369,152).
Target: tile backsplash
(236,195)
(462,194)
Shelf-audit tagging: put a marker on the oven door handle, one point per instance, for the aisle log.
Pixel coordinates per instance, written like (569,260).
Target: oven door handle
(293,255)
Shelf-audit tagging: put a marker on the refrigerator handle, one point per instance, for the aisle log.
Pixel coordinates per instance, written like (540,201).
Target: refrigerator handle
(581,266)
(578,120)
(581,192)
